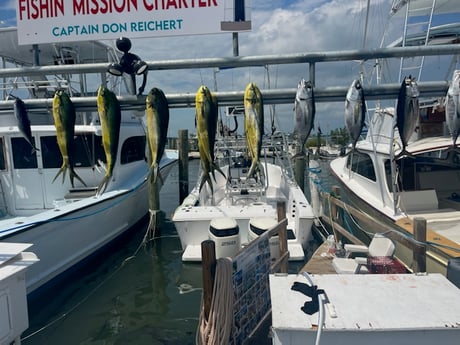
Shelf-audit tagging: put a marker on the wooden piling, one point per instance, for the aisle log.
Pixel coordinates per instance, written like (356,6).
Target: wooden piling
(183,164)
(419,251)
(282,235)
(300,163)
(334,211)
(208,262)
(154,206)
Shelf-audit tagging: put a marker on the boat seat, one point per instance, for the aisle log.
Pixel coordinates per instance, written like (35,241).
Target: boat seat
(418,200)
(380,246)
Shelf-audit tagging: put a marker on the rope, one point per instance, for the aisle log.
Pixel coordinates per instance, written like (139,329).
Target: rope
(216,330)
(87,296)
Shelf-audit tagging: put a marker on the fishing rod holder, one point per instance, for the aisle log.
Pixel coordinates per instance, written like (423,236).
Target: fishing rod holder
(129,63)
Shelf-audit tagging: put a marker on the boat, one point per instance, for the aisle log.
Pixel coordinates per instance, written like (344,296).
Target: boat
(241,207)
(66,221)
(396,187)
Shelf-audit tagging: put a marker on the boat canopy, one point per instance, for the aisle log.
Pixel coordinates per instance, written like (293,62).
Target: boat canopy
(54,53)
(443,34)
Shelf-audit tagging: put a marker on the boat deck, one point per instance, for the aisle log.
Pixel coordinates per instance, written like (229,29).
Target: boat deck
(434,236)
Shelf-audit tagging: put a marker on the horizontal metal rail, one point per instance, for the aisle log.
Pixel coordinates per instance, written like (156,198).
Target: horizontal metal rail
(229,98)
(246,61)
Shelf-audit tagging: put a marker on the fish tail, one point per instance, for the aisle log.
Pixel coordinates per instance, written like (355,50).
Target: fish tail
(215,167)
(206,178)
(103,186)
(34,149)
(404,153)
(254,166)
(73,175)
(62,171)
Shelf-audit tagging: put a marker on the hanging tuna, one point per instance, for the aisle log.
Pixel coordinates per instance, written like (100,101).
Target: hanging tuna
(407,113)
(304,114)
(355,111)
(453,107)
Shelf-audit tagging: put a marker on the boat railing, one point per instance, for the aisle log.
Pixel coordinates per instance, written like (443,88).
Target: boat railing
(37,88)
(232,151)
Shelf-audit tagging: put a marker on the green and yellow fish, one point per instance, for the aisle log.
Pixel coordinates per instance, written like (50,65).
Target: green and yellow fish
(110,117)
(206,125)
(253,124)
(64,121)
(157,111)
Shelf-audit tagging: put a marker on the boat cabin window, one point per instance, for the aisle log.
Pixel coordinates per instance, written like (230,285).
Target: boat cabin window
(2,155)
(430,170)
(23,155)
(361,164)
(87,151)
(133,150)
(406,169)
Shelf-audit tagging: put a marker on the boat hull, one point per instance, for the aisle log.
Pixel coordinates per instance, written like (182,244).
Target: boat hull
(71,233)
(192,219)
(436,260)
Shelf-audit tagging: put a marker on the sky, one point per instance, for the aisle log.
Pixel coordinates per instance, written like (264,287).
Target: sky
(279,26)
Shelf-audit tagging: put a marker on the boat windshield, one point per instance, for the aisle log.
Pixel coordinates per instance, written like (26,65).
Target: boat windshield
(361,163)
(430,170)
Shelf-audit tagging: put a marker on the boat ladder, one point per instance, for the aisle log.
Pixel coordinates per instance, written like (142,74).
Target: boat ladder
(417,20)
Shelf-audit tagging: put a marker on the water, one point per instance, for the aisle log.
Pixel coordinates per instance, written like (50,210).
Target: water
(129,294)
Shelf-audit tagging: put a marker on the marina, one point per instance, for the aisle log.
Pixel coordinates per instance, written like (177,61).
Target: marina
(103,241)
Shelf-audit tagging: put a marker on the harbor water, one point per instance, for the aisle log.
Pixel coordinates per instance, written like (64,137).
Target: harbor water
(129,293)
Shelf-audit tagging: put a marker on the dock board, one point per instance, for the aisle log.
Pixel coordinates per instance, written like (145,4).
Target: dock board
(319,263)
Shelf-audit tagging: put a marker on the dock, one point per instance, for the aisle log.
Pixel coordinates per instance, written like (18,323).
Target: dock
(320,262)
(367,309)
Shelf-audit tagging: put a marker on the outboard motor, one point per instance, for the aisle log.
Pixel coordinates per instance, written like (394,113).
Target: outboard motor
(225,233)
(257,226)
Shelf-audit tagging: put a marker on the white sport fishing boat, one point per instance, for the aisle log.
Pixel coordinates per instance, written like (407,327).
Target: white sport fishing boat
(241,208)
(396,188)
(65,223)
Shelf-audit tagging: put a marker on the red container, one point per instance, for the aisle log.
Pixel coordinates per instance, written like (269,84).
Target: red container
(385,265)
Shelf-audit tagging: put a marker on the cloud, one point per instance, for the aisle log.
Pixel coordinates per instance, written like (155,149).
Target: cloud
(278,27)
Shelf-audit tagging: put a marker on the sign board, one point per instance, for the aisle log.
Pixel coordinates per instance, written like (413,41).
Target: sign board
(49,21)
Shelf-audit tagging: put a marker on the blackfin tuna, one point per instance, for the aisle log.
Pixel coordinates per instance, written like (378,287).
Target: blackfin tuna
(23,122)
(206,126)
(453,107)
(407,112)
(109,111)
(253,125)
(304,113)
(64,121)
(355,111)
